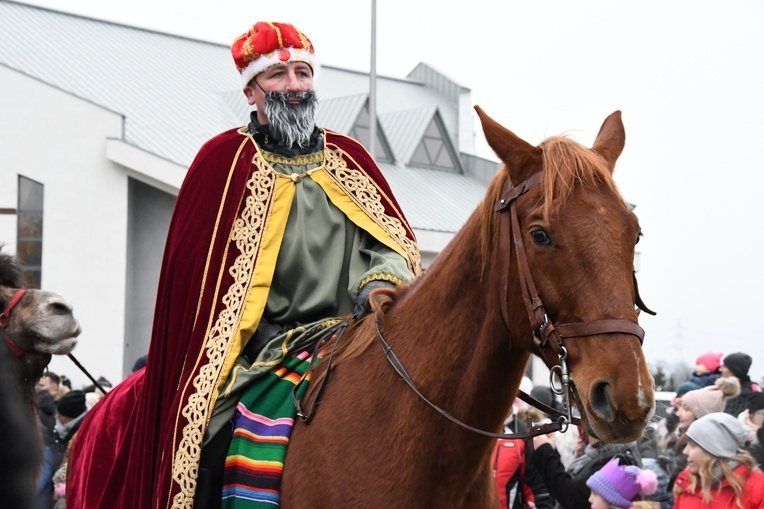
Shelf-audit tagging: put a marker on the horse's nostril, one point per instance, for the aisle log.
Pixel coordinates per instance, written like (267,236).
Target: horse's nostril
(60,308)
(600,400)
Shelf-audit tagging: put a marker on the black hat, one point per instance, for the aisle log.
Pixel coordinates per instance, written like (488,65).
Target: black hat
(72,404)
(756,403)
(139,363)
(739,363)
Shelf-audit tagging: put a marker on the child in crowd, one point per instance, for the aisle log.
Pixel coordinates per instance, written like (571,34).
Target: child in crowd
(616,486)
(719,473)
(707,369)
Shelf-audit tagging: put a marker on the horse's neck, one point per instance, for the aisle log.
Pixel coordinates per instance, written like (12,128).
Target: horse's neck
(26,371)
(460,334)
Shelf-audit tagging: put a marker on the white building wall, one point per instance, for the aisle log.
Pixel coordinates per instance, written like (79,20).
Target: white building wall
(59,140)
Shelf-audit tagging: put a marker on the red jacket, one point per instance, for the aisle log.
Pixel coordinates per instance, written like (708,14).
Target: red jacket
(752,497)
(509,473)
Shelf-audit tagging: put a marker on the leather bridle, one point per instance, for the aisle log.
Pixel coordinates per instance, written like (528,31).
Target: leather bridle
(5,318)
(546,334)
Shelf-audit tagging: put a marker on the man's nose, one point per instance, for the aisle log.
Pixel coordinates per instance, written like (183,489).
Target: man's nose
(293,84)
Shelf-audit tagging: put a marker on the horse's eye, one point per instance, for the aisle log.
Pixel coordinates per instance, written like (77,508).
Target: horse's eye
(541,238)
(638,237)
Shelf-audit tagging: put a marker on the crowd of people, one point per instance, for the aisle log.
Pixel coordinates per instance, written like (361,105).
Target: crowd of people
(60,413)
(706,452)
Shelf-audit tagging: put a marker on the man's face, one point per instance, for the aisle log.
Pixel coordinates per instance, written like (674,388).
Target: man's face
(289,77)
(47,384)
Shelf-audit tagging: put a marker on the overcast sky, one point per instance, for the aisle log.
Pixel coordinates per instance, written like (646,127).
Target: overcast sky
(688,76)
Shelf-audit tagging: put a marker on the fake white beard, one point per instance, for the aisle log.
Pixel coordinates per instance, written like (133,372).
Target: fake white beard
(289,123)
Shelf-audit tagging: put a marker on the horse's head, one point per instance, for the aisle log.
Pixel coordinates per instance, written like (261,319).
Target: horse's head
(579,237)
(34,321)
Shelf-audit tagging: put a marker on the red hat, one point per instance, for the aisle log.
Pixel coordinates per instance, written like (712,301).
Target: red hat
(267,44)
(710,360)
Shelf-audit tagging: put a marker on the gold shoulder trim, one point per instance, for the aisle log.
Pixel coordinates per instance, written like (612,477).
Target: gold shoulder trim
(362,190)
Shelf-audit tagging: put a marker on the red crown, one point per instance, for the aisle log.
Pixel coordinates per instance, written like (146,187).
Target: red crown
(266,44)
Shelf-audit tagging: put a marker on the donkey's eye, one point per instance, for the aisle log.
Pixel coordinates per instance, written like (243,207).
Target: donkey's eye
(540,237)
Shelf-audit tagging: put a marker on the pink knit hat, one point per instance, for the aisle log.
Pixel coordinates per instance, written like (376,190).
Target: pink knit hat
(710,360)
(712,398)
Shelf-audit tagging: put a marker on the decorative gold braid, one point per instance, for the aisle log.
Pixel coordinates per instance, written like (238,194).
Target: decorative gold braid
(278,34)
(247,233)
(381,276)
(314,158)
(366,195)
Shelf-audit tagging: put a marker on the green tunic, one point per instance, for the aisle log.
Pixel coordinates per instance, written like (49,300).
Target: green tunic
(322,263)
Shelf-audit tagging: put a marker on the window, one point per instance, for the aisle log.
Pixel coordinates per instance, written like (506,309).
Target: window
(361,132)
(29,230)
(433,151)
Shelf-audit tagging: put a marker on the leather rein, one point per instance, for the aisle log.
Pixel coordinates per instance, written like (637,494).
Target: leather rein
(545,333)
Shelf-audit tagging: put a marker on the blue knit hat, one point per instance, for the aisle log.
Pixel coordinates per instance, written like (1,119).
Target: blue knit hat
(620,484)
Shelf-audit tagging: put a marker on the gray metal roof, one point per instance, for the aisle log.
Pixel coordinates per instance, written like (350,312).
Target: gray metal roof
(434,200)
(405,129)
(175,93)
(339,113)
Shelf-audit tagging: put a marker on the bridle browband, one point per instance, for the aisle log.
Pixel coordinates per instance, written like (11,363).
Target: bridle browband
(5,317)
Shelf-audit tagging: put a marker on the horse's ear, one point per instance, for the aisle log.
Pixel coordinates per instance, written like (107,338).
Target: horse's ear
(611,139)
(519,156)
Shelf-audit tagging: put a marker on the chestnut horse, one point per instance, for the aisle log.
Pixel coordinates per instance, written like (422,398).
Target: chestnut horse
(464,334)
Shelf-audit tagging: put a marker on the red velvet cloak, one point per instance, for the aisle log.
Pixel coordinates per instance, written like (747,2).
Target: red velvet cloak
(139,448)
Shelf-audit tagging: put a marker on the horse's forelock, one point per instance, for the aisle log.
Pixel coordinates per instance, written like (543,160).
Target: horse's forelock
(11,274)
(568,164)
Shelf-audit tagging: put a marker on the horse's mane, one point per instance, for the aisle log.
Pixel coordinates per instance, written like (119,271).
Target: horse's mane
(566,163)
(11,274)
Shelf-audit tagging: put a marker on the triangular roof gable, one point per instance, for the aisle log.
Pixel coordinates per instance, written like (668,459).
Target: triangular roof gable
(412,130)
(405,128)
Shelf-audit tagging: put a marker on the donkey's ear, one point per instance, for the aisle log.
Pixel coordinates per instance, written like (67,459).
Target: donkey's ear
(521,158)
(611,139)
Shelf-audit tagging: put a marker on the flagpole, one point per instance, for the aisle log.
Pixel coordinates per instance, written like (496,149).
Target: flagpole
(373,82)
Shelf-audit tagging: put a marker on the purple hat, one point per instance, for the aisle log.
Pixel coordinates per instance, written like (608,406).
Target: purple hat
(619,484)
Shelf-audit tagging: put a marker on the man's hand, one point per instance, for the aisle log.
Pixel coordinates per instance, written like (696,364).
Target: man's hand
(362,306)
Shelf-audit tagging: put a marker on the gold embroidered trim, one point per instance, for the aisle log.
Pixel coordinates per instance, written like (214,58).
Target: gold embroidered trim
(246,234)
(365,194)
(381,276)
(314,158)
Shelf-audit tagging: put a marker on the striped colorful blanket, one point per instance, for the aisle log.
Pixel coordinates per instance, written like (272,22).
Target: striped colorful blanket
(262,427)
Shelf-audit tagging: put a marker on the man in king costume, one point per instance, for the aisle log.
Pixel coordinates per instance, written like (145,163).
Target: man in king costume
(280,230)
